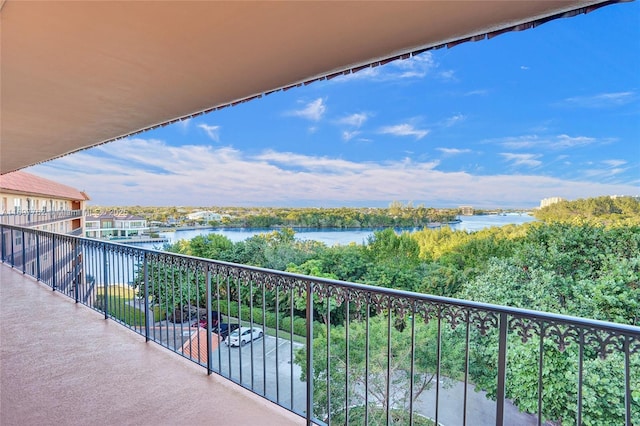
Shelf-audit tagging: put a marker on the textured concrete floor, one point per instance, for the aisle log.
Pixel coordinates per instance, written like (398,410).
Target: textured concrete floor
(63,364)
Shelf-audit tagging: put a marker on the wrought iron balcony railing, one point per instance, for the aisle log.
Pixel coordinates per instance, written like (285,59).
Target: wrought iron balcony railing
(40,217)
(343,353)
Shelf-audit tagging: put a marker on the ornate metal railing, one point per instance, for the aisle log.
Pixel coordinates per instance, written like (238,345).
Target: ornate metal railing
(343,353)
(40,217)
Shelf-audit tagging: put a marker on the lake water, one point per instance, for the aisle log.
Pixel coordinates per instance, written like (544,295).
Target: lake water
(334,236)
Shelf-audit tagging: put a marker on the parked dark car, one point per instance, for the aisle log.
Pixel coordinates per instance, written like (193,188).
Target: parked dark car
(224,329)
(202,322)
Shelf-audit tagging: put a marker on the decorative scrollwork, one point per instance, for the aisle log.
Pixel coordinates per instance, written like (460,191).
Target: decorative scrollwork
(428,310)
(455,315)
(270,282)
(562,335)
(325,291)
(634,344)
(526,328)
(604,342)
(400,306)
(379,301)
(357,296)
(286,283)
(484,321)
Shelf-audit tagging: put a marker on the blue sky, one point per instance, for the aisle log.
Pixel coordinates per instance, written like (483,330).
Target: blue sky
(550,111)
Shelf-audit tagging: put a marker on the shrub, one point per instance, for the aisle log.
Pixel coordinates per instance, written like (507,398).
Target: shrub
(300,326)
(271,320)
(285,324)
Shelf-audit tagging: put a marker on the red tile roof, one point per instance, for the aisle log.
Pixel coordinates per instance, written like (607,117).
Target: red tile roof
(196,347)
(27,183)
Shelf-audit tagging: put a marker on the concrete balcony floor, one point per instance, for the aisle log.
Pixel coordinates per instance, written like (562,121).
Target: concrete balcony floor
(62,363)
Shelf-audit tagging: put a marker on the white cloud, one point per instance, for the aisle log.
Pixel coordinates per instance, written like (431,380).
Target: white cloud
(451,121)
(355,120)
(477,92)
(602,100)
(312,111)
(528,160)
(211,175)
(369,73)
(404,129)
(413,67)
(614,163)
(447,75)
(212,131)
(566,141)
(348,135)
(544,142)
(605,170)
(453,151)
(184,124)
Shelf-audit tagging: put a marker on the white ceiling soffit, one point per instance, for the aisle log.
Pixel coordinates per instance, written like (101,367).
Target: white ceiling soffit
(75,74)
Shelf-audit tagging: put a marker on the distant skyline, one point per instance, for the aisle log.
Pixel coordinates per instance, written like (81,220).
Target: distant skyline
(550,111)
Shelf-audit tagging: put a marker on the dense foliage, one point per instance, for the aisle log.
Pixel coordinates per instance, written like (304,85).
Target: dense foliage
(599,210)
(396,215)
(582,258)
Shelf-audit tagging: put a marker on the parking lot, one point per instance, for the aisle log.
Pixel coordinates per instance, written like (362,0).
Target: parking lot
(272,369)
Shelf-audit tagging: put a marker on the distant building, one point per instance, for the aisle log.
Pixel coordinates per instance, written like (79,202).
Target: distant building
(205,216)
(39,203)
(114,226)
(466,210)
(549,201)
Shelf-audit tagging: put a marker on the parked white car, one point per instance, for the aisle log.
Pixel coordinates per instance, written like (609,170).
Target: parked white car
(241,336)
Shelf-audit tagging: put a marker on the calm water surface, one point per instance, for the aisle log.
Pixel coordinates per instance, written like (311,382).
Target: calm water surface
(332,236)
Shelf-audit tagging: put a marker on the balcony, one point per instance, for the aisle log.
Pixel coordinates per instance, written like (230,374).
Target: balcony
(64,364)
(329,352)
(39,217)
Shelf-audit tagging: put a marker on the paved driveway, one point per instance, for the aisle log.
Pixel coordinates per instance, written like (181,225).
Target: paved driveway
(272,370)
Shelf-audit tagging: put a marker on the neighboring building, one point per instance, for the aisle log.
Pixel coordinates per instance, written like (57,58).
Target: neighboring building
(466,210)
(114,226)
(205,216)
(552,200)
(35,202)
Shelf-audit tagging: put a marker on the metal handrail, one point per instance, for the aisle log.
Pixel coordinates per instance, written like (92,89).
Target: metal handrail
(31,218)
(103,276)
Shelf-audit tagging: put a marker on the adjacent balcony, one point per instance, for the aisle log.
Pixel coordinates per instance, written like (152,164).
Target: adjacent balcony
(326,351)
(31,218)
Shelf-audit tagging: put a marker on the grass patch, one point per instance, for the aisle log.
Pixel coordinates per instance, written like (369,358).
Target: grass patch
(120,305)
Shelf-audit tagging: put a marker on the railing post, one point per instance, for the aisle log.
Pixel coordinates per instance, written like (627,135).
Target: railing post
(53,262)
(13,253)
(627,382)
(2,244)
(309,317)
(1,241)
(146,297)
(24,252)
(502,369)
(209,304)
(37,256)
(77,267)
(105,277)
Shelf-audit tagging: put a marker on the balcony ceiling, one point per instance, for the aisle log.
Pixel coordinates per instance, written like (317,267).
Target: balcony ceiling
(75,74)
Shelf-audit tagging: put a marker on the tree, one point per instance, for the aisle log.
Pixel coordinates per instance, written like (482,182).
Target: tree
(588,271)
(361,367)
